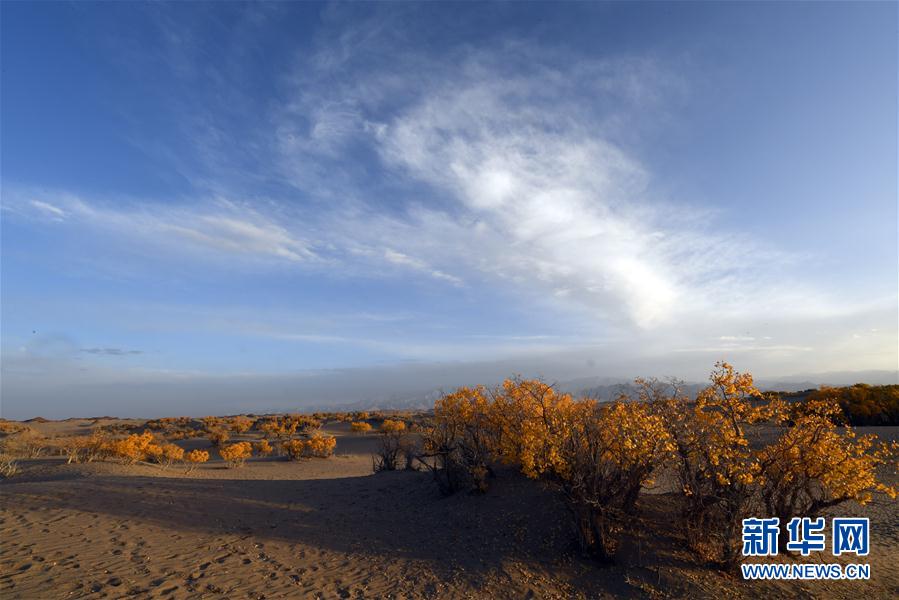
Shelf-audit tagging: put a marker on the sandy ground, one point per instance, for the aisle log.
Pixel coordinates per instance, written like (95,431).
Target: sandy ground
(332,529)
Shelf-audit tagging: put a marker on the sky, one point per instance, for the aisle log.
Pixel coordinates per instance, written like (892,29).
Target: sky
(246,207)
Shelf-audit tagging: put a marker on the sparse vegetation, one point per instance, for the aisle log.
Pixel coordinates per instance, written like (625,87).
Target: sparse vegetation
(599,456)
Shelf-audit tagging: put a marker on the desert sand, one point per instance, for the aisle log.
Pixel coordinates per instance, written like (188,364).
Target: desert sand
(330,528)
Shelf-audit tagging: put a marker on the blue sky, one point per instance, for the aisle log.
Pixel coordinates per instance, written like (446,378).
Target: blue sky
(317,201)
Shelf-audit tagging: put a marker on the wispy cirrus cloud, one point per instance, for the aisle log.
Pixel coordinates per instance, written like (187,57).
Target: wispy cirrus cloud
(404,260)
(505,167)
(111,351)
(518,150)
(218,225)
(509,171)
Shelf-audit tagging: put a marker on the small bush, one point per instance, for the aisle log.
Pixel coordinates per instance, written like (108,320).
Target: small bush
(717,470)
(218,437)
(194,458)
(392,434)
(236,454)
(360,427)
(71,448)
(262,448)
(133,448)
(170,454)
(285,427)
(240,424)
(294,449)
(8,467)
(318,446)
(26,444)
(814,466)
(11,427)
(458,442)
(154,453)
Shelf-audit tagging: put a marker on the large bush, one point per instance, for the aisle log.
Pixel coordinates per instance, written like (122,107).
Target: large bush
(600,456)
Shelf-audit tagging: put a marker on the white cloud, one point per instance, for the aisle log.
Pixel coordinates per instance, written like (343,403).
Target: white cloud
(236,235)
(503,169)
(563,208)
(398,258)
(222,227)
(48,209)
(527,184)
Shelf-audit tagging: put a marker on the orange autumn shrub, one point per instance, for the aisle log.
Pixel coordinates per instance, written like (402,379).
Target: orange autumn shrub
(194,458)
(717,470)
(295,449)
(262,448)
(132,448)
(602,455)
(599,456)
(218,437)
(9,427)
(360,427)
(608,454)
(460,441)
(211,423)
(529,420)
(286,426)
(154,453)
(236,454)
(240,424)
(811,466)
(814,465)
(318,446)
(390,426)
(170,454)
(273,427)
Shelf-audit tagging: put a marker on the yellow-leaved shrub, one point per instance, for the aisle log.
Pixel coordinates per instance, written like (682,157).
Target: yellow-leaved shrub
(360,427)
(194,458)
(600,455)
(236,454)
(262,448)
(318,445)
